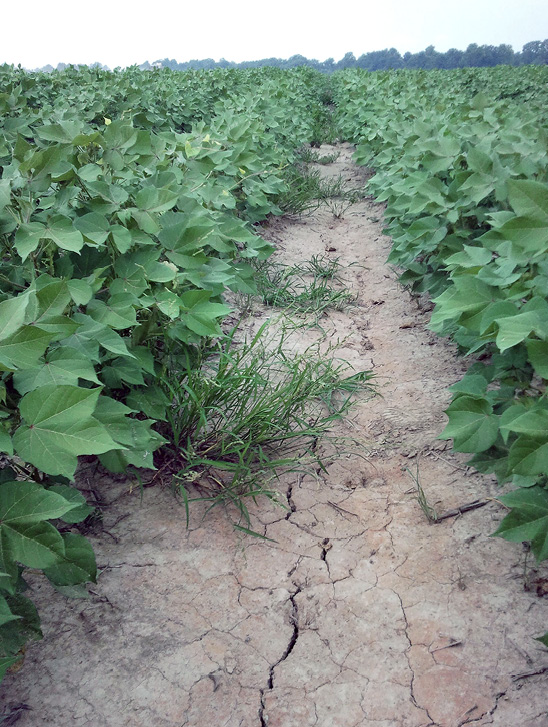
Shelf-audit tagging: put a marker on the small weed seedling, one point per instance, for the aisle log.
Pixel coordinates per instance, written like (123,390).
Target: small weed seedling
(428,510)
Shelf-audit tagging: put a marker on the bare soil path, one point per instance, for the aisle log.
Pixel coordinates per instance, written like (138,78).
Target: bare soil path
(361,613)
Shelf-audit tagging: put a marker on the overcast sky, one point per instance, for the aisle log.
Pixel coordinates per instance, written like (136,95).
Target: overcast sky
(121,33)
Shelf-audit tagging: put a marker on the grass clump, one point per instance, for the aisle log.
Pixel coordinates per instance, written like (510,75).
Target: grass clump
(309,155)
(303,192)
(307,190)
(306,289)
(242,413)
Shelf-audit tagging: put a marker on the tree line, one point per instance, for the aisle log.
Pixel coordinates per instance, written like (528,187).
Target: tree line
(475,56)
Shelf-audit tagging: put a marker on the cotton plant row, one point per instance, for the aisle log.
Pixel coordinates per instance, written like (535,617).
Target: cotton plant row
(127,209)
(462,164)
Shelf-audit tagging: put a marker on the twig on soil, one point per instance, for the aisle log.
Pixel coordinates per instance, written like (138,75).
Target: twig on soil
(466,470)
(102,598)
(341,509)
(462,509)
(520,651)
(532,673)
(448,646)
(119,519)
(114,537)
(467,714)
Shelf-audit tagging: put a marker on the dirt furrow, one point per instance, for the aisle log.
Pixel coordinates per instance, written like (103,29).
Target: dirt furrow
(358,611)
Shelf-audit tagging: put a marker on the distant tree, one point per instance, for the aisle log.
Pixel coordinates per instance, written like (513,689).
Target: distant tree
(349,61)
(535,52)
(296,61)
(452,58)
(505,55)
(328,66)
(380,60)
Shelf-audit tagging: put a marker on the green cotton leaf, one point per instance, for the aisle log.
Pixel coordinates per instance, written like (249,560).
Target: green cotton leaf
(6,662)
(12,314)
(151,199)
(77,565)
(8,566)
(113,195)
(528,233)
(5,193)
(115,461)
(6,445)
(528,456)
(114,343)
(78,591)
(543,639)
(120,371)
(121,237)
(472,424)
(467,294)
(63,132)
(94,227)
(62,366)
(161,272)
(151,400)
(139,440)
(528,198)
(53,299)
(27,238)
(501,274)
(38,545)
(118,312)
(80,291)
(14,637)
(5,613)
(81,509)
(29,502)
(62,232)
(6,583)
(524,481)
(192,298)
(134,283)
(169,303)
(471,384)
(58,427)
(479,161)
(145,358)
(114,417)
(91,333)
(185,233)
(84,340)
(533,422)
(23,348)
(470,257)
(59,326)
(499,309)
(203,325)
(528,519)
(515,329)
(538,356)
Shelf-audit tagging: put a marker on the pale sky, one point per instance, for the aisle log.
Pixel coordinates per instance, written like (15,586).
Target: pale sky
(122,33)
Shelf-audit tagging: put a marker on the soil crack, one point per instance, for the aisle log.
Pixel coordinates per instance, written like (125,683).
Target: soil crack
(294,621)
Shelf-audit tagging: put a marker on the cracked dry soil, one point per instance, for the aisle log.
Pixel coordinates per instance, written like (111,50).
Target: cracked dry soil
(360,612)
